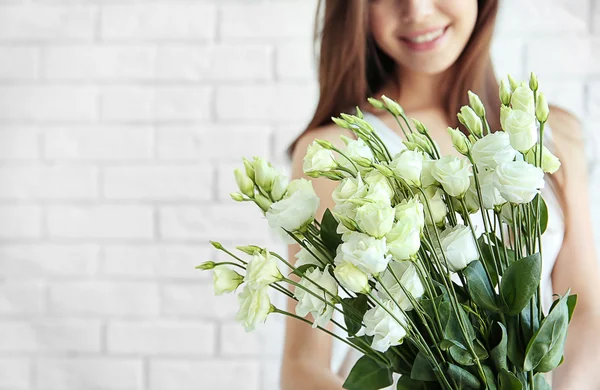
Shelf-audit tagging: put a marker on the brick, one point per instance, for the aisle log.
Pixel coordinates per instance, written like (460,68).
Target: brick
(213,374)
(155,261)
(594,99)
(212,142)
(569,95)
(54,182)
(507,56)
(19,143)
(173,338)
(107,373)
(212,222)
(266,340)
(564,58)
(47,260)
(104,221)
(275,21)
(159,21)
(270,374)
(22,64)
(284,135)
(20,221)
(21,298)
(47,22)
(296,61)
(15,373)
(197,301)
(48,103)
(215,63)
(272,103)
(102,143)
(98,62)
(158,183)
(127,299)
(51,336)
(150,103)
(518,18)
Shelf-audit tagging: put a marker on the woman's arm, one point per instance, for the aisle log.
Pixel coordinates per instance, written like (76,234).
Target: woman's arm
(307,351)
(577,265)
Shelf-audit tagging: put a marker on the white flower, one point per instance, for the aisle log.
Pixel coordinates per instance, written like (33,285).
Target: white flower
(375,218)
(518,181)
(304,257)
(349,188)
(385,329)
(296,209)
(255,306)
(459,247)
(436,204)
(280,185)
(225,280)
(411,211)
(521,127)
(352,278)
(308,303)
(264,174)
(522,99)
(406,273)
(550,163)
(493,149)
(378,182)
(318,159)
(453,174)
(427,178)
(404,240)
(408,165)
(471,199)
(262,270)
(355,149)
(490,194)
(365,252)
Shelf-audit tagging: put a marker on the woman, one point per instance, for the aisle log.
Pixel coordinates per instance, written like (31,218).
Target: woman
(427,54)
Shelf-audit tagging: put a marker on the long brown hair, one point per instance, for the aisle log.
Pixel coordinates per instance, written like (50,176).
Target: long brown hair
(352,67)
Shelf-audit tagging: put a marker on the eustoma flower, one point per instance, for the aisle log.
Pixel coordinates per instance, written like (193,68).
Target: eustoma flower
(408,165)
(453,174)
(406,273)
(493,149)
(297,208)
(459,247)
(225,280)
(352,278)
(387,330)
(518,181)
(365,252)
(262,270)
(321,305)
(318,159)
(255,306)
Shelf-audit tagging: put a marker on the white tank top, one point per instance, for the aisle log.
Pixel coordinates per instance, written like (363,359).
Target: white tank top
(343,357)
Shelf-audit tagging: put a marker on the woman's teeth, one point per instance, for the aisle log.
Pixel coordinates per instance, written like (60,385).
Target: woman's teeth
(427,37)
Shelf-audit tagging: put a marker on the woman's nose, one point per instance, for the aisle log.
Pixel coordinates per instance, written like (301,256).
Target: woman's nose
(416,11)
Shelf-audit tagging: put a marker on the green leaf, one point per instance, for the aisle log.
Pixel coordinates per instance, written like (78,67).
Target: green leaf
(422,369)
(545,350)
(480,289)
(405,382)
(329,234)
(516,347)
(302,269)
(519,282)
(488,258)
(352,308)
(539,382)
(402,365)
(508,381)
(367,374)
(500,351)
(490,378)
(463,378)
(461,356)
(454,332)
(526,326)
(571,303)
(543,212)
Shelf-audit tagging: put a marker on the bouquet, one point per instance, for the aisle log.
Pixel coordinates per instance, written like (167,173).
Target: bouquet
(433,261)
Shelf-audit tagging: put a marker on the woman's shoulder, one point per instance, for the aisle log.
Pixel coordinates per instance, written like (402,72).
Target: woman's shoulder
(330,132)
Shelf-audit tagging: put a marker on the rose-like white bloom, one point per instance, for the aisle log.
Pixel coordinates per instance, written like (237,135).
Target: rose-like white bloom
(459,247)
(379,183)
(352,278)
(262,270)
(411,212)
(490,194)
(385,328)
(365,252)
(264,173)
(522,99)
(493,149)
(349,188)
(355,149)
(453,174)
(296,209)
(521,127)
(375,218)
(408,165)
(427,178)
(550,163)
(255,306)
(304,257)
(318,159)
(518,181)
(436,204)
(308,303)
(225,280)
(407,274)
(404,240)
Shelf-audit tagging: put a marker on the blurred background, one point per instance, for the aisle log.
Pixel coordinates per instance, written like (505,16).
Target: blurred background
(120,124)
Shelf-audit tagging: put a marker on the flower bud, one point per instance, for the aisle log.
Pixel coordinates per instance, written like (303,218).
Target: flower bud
(226,280)
(350,119)
(325,144)
(533,82)
(420,126)
(249,249)
(217,245)
(347,222)
(384,170)
(262,202)
(363,162)
(352,278)
(550,163)
(513,83)
(244,183)
(376,103)
(476,104)
(459,140)
(359,113)
(208,265)
(393,107)
(264,174)
(237,196)
(541,110)
(469,118)
(249,169)
(279,187)
(341,123)
(505,93)
(421,140)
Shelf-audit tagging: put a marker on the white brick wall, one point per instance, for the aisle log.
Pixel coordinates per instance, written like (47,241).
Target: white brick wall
(120,124)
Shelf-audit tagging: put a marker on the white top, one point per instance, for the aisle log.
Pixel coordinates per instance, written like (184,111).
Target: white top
(343,358)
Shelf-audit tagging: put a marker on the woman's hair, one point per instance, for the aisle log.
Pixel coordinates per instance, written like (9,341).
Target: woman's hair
(352,67)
